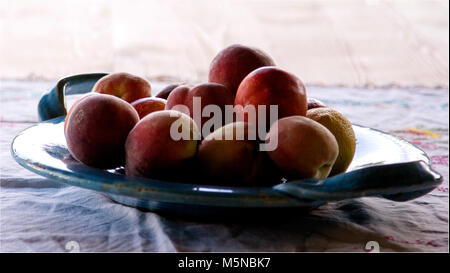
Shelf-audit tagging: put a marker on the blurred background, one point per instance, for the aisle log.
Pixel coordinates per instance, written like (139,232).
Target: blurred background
(325,42)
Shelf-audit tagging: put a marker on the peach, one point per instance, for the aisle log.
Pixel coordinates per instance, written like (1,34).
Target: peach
(161,145)
(230,66)
(97,129)
(306,149)
(164,94)
(271,86)
(208,93)
(315,103)
(148,105)
(73,106)
(230,156)
(123,85)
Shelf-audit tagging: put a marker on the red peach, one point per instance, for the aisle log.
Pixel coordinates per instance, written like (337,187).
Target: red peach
(123,85)
(305,148)
(230,156)
(231,65)
(164,94)
(73,106)
(155,150)
(271,86)
(209,93)
(149,105)
(315,103)
(97,129)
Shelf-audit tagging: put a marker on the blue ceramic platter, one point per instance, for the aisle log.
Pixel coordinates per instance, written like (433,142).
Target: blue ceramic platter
(384,166)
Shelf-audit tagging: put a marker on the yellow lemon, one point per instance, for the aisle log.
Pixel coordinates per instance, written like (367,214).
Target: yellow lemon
(342,130)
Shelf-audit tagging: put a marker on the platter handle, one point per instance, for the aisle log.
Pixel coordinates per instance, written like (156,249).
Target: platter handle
(53,103)
(398,182)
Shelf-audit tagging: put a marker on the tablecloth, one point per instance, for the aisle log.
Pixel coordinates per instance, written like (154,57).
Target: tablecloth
(40,215)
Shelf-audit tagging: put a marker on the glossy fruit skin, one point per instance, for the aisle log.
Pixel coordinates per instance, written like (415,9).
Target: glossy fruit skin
(231,65)
(271,86)
(148,105)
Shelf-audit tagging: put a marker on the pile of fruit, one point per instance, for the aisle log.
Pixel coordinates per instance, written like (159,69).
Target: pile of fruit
(119,123)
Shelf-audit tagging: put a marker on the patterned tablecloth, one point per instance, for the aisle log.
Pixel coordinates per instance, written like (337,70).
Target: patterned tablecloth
(37,214)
